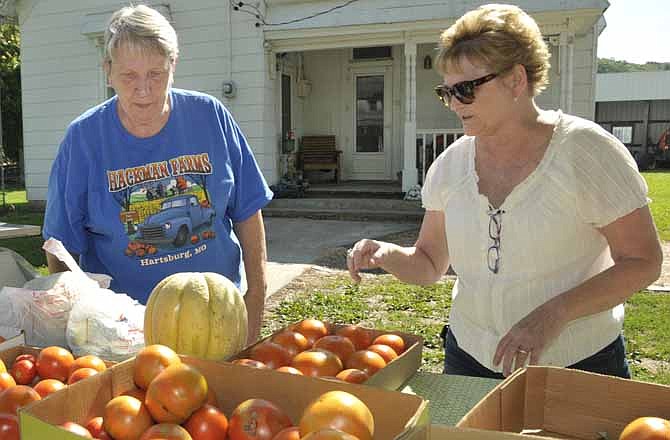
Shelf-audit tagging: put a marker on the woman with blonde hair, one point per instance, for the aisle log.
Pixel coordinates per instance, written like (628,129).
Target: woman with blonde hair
(542,215)
(157,180)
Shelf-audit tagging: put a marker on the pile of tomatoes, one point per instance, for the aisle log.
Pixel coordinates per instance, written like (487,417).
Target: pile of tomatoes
(646,428)
(32,378)
(309,347)
(172,400)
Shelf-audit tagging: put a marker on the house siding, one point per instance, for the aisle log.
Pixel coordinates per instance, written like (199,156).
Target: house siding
(62,76)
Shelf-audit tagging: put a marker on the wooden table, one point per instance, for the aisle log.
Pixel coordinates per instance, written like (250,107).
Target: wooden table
(449,397)
(10,230)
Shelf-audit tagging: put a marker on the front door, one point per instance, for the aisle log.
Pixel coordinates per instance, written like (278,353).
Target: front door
(370,152)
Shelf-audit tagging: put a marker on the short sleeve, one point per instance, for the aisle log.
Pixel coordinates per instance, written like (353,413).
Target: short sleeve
(433,187)
(609,184)
(251,191)
(65,215)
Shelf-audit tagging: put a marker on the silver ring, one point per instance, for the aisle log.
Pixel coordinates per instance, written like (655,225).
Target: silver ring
(519,350)
(350,252)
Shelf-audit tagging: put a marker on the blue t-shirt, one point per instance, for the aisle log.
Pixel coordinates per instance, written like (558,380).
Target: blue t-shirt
(140,209)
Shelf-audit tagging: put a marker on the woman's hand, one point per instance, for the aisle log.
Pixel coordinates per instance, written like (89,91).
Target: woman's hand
(528,338)
(366,254)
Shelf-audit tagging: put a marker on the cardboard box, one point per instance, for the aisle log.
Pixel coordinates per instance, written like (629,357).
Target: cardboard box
(560,403)
(391,377)
(9,355)
(397,415)
(12,336)
(444,432)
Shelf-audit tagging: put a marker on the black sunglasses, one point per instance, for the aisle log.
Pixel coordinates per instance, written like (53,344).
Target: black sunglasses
(464,91)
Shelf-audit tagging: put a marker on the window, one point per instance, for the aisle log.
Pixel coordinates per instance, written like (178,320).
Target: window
(624,133)
(372,53)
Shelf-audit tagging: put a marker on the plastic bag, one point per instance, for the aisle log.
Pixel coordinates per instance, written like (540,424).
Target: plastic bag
(107,324)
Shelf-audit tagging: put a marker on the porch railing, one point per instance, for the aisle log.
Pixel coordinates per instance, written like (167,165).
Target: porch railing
(429,145)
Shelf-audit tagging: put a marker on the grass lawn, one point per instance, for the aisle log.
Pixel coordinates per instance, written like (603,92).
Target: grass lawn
(383,302)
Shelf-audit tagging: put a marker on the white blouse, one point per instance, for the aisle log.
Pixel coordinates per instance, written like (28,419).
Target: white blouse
(548,240)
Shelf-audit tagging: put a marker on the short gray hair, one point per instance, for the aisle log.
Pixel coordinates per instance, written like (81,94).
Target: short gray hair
(140,27)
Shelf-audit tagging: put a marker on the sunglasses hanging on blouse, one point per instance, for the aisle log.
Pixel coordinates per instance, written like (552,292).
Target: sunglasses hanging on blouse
(495,228)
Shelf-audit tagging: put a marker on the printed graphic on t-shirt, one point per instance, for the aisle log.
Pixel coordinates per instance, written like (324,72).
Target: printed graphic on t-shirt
(166,209)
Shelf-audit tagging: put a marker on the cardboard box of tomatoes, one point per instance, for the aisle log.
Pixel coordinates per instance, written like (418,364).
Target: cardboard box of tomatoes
(560,403)
(399,363)
(396,415)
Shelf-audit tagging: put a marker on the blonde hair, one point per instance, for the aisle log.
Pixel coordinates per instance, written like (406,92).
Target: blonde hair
(499,37)
(140,28)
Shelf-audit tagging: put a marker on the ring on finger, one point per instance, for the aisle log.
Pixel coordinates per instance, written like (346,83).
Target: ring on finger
(350,252)
(522,351)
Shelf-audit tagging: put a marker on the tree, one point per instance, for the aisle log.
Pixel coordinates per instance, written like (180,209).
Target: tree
(10,91)
(611,65)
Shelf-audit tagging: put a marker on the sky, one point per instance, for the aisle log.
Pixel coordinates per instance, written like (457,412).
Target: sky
(637,31)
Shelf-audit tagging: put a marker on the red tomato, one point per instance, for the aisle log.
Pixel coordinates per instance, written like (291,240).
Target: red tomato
(47,386)
(23,372)
(353,375)
(6,381)
(176,393)
(16,397)
(384,351)
(94,426)
(295,342)
(367,361)
(27,357)
(396,342)
(289,370)
(207,423)
(340,345)
(152,360)
(292,433)
(126,418)
(312,329)
(250,363)
(646,428)
(338,410)
(89,361)
(76,429)
(316,362)
(54,363)
(9,427)
(257,419)
(271,354)
(166,431)
(81,373)
(361,337)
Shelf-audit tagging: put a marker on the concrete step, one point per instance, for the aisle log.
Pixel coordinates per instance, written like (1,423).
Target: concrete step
(393,210)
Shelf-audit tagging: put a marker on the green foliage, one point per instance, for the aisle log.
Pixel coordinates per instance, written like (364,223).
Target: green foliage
(610,65)
(10,91)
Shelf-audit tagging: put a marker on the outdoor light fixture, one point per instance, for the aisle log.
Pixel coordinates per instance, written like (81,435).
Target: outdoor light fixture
(229,89)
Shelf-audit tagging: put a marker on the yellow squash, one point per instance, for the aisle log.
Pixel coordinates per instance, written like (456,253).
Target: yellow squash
(198,314)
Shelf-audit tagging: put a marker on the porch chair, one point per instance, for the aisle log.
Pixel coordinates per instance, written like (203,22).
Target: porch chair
(320,153)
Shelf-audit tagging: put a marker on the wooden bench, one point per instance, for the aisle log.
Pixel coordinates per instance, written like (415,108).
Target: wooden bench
(320,153)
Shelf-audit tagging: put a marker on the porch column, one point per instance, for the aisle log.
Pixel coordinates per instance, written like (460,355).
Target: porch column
(410,176)
(566,53)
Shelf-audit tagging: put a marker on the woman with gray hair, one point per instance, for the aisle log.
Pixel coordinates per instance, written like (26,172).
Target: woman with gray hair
(542,215)
(157,180)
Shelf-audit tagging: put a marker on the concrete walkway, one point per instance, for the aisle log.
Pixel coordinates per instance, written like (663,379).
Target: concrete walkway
(294,243)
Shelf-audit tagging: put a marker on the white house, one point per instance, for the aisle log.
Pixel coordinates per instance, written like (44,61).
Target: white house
(357,69)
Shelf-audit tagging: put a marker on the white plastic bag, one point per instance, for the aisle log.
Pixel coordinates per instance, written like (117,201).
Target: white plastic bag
(107,324)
